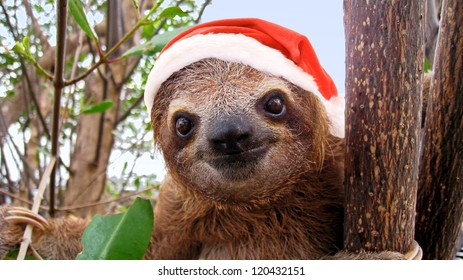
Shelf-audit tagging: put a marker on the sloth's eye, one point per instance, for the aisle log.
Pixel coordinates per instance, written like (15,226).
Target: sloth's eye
(275,104)
(183,126)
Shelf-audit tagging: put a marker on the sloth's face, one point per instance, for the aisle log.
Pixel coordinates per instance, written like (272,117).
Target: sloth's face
(231,131)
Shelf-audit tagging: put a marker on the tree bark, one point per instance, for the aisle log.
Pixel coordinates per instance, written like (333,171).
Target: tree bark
(385,55)
(432,29)
(440,204)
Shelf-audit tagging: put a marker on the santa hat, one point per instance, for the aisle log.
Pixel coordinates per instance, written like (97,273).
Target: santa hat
(263,45)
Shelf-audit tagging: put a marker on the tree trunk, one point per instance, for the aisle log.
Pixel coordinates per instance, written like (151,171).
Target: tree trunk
(385,55)
(440,204)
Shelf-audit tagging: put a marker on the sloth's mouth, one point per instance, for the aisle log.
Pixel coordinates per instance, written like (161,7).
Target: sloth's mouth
(239,164)
(251,154)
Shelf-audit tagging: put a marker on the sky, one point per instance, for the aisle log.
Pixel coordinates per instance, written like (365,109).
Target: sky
(320,21)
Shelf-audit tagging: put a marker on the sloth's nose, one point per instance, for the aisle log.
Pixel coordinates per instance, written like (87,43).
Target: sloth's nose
(231,135)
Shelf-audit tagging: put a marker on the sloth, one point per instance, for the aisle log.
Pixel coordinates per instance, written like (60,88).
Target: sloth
(255,168)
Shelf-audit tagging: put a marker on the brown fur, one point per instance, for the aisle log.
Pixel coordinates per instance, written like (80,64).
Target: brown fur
(10,235)
(61,240)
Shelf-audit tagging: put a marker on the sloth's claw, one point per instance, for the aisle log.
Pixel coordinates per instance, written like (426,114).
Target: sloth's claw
(415,252)
(19,215)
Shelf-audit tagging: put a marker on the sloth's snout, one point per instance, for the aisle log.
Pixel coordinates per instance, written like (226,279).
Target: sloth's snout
(231,135)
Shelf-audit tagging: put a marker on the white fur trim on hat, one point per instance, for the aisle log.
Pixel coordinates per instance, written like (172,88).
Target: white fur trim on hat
(229,47)
(335,108)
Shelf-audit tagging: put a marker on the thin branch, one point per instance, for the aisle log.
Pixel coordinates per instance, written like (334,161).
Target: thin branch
(4,165)
(27,237)
(105,57)
(27,184)
(131,172)
(36,254)
(201,11)
(113,33)
(16,197)
(128,112)
(80,45)
(71,208)
(77,53)
(59,84)
(156,186)
(28,169)
(21,174)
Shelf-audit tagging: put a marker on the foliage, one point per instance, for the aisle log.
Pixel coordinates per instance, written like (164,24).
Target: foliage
(98,108)
(123,236)
(26,90)
(155,44)
(77,11)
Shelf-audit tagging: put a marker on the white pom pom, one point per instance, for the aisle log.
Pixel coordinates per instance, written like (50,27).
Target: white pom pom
(335,110)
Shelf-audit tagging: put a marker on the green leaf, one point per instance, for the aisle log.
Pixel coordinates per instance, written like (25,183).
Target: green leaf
(124,168)
(23,48)
(137,182)
(122,236)
(77,12)
(132,128)
(148,126)
(155,44)
(140,49)
(171,12)
(147,31)
(13,255)
(19,49)
(26,45)
(38,8)
(98,108)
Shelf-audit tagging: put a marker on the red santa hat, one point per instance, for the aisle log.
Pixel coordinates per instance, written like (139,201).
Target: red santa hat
(263,45)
